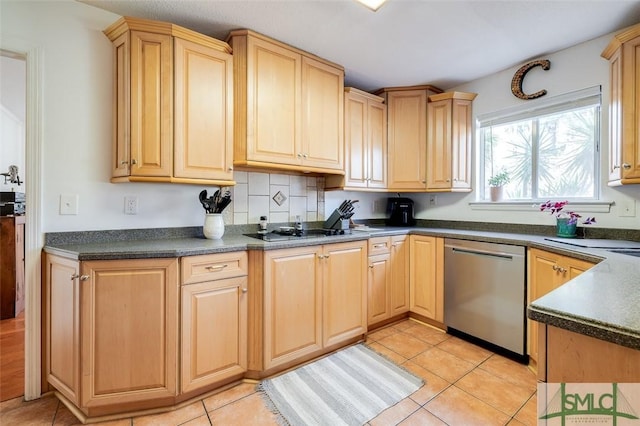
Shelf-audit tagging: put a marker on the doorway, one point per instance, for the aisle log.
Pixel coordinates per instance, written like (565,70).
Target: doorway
(13,95)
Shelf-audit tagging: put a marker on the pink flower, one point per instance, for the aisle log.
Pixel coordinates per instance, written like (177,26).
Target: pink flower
(555,208)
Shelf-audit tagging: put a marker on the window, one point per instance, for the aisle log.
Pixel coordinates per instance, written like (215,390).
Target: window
(549,152)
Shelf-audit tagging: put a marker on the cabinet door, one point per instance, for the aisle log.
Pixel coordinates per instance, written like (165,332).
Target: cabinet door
(129,329)
(631,109)
(121,156)
(461,140)
(439,144)
(322,115)
(151,104)
(399,284)
(615,117)
(356,140)
(203,144)
(62,325)
(292,304)
(273,103)
(214,332)
(542,279)
(344,291)
(377,152)
(426,277)
(378,296)
(407,139)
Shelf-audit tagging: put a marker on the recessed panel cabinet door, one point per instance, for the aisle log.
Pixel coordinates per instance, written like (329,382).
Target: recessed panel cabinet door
(378,298)
(151,104)
(322,106)
(427,282)
(293,304)
(62,325)
(399,284)
(129,330)
(214,332)
(344,291)
(273,103)
(203,112)
(407,127)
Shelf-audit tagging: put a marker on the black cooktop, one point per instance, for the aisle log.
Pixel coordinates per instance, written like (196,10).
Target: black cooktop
(297,234)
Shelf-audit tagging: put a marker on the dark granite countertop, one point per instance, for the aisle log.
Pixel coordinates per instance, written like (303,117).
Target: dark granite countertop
(603,302)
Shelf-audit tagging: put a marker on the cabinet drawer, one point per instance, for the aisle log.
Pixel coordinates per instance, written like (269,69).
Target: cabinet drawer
(196,269)
(379,245)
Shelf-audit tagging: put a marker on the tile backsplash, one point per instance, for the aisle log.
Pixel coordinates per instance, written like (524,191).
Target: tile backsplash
(279,197)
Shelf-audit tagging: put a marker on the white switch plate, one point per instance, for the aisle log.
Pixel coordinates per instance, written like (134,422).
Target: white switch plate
(69,203)
(130,204)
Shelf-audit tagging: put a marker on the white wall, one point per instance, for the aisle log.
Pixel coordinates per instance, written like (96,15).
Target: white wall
(77,128)
(572,69)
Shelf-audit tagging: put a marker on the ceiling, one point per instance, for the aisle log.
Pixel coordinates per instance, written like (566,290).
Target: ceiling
(406,42)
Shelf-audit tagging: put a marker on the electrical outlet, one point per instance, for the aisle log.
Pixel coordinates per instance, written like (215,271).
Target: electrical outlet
(130,204)
(433,200)
(69,204)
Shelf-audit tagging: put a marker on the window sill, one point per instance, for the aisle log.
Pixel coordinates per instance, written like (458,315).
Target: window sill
(526,206)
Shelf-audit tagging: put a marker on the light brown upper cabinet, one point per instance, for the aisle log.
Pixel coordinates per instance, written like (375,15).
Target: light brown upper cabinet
(289,107)
(173,100)
(407,136)
(623,53)
(365,143)
(449,139)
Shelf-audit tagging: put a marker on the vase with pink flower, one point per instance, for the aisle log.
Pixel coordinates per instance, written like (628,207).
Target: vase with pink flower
(566,221)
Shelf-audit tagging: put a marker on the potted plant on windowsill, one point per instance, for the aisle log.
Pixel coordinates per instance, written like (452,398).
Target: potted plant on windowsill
(566,221)
(496,183)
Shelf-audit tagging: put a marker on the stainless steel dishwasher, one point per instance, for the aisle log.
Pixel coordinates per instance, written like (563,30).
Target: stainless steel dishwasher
(485,292)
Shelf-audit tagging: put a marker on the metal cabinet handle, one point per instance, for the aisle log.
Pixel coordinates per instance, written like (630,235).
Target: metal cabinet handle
(230,168)
(305,155)
(626,166)
(124,163)
(615,166)
(559,269)
(379,245)
(299,155)
(81,277)
(244,290)
(371,266)
(133,161)
(216,267)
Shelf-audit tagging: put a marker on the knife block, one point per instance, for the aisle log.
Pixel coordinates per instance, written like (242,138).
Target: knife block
(336,221)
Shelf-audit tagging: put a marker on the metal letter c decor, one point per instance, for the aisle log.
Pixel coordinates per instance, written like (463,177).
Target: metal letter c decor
(516,83)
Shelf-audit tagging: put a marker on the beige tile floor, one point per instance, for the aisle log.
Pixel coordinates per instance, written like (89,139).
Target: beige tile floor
(464,385)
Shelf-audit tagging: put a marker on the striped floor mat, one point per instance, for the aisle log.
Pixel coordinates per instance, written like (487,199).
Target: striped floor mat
(349,387)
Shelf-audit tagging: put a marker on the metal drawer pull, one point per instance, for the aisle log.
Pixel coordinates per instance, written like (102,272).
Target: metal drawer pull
(559,269)
(244,290)
(379,245)
(216,267)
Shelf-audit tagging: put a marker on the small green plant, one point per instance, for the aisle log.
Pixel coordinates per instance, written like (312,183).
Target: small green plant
(499,179)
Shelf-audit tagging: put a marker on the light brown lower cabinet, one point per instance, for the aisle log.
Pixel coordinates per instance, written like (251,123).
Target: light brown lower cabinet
(112,332)
(304,301)
(213,320)
(388,278)
(576,358)
(548,271)
(427,278)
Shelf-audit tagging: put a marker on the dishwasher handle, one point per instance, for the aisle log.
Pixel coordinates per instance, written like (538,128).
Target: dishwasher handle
(508,256)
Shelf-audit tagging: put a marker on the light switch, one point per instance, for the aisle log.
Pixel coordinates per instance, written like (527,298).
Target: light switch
(69,204)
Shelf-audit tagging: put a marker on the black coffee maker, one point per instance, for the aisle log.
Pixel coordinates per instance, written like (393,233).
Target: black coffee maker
(400,211)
